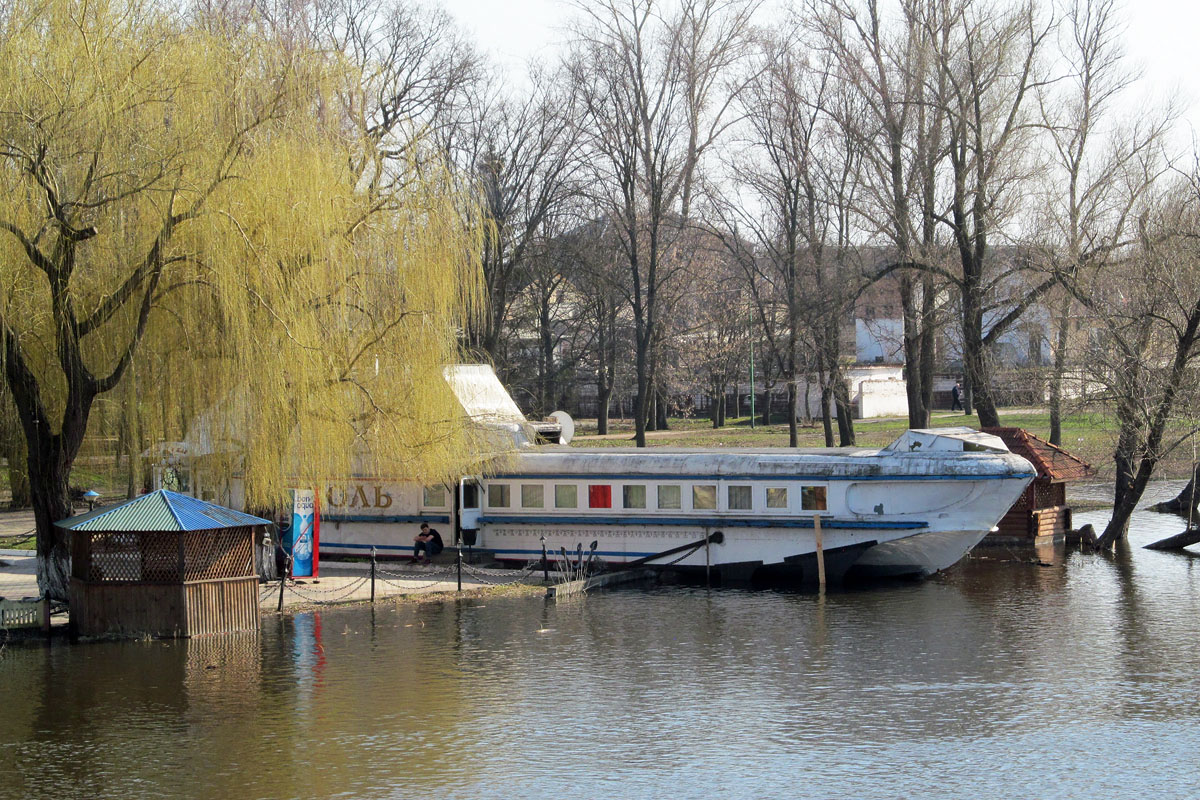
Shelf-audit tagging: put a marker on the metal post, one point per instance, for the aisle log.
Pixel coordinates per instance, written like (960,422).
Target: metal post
(372,573)
(820,551)
(707,561)
(282,578)
(460,566)
(545,562)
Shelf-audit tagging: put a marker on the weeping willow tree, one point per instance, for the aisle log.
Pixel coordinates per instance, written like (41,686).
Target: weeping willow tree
(194,207)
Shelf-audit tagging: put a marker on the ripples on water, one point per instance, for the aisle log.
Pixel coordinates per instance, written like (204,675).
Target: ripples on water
(1002,678)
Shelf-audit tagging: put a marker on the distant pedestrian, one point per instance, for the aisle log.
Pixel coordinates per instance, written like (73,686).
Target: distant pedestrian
(956,397)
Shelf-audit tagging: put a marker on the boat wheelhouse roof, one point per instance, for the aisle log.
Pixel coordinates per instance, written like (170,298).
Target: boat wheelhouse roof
(825,463)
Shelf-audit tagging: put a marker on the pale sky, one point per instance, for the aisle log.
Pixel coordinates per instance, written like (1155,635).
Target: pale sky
(1163,36)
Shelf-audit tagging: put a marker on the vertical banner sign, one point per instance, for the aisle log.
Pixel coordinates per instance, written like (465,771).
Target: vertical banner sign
(316,533)
(304,519)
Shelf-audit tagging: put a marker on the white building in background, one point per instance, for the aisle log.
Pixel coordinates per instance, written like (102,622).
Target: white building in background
(875,391)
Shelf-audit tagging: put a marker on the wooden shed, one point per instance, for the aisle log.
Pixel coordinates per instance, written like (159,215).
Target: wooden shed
(163,565)
(1041,514)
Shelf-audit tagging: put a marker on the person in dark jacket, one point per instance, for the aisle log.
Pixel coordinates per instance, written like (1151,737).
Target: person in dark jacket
(428,540)
(956,397)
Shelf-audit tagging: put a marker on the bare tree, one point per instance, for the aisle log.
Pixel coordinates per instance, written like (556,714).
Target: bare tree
(788,219)
(990,63)
(1100,171)
(1149,310)
(654,104)
(521,153)
(901,137)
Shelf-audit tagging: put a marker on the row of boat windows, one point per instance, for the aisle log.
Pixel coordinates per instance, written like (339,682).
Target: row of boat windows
(666,497)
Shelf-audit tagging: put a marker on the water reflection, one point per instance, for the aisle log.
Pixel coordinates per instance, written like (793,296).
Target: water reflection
(1052,673)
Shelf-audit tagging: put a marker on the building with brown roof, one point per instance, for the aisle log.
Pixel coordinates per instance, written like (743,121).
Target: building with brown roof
(1041,514)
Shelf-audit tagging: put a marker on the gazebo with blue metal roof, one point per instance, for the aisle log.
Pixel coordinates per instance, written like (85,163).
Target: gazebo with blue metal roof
(163,564)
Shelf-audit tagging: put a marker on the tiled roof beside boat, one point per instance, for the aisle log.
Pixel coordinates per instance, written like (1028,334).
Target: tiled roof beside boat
(161,511)
(1049,460)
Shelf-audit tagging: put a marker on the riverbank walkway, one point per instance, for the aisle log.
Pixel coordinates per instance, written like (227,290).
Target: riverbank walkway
(339,582)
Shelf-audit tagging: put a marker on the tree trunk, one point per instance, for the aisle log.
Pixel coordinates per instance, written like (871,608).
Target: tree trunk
(641,398)
(1060,367)
(827,413)
(1184,503)
(603,400)
(975,361)
(845,419)
(793,413)
(928,351)
(918,415)
(50,470)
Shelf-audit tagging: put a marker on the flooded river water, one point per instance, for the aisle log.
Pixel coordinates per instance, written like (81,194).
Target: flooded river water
(1075,677)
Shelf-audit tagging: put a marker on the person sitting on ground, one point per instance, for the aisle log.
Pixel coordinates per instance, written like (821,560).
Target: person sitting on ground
(428,540)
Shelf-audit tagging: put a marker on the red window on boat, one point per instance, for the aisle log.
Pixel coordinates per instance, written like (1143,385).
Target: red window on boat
(599,496)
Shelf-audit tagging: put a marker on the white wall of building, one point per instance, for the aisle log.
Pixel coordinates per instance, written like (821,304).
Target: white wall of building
(878,391)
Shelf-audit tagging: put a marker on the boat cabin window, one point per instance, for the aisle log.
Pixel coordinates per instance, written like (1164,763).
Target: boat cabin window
(740,498)
(533,495)
(812,498)
(669,496)
(470,495)
(777,497)
(434,497)
(499,495)
(566,495)
(704,496)
(633,496)
(599,496)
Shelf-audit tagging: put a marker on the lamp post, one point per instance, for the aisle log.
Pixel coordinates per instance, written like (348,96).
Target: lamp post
(91,496)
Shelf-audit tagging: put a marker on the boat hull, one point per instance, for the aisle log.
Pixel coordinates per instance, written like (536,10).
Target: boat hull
(921,555)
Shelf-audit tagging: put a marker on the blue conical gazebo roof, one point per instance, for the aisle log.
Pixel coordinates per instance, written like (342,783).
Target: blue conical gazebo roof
(161,511)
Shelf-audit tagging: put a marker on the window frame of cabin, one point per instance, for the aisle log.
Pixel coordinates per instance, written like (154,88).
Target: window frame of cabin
(533,488)
(425,490)
(707,487)
(819,493)
(767,498)
(745,491)
(600,496)
(574,491)
(658,497)
(625,489)
(504,489)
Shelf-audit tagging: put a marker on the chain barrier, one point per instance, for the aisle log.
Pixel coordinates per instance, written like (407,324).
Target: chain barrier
(14,541)
(442,576)
(401,582)
(484,577)
(326,595)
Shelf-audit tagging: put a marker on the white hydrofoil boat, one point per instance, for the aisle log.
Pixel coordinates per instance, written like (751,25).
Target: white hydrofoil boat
(914,507)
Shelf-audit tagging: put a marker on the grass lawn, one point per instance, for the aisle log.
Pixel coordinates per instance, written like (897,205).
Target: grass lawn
(1090,436)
